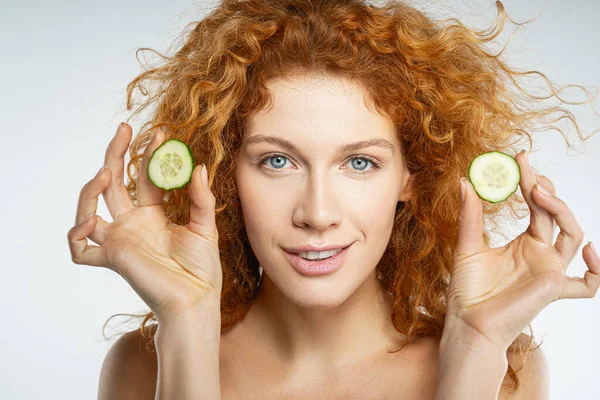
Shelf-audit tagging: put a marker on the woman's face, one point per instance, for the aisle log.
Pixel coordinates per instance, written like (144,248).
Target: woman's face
(317,195)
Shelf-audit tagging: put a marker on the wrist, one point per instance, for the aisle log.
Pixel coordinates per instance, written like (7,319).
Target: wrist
(459,334)
(203,320)
(188,353)
(469,367)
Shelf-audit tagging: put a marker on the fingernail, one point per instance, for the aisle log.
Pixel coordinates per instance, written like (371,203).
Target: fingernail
(544,191)
(87,217)
(593,249)
(204,176)
(120,125)
(526,158)
(463,188)
(535,171)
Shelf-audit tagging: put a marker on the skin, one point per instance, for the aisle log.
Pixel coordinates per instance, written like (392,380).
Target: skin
(315,337)
(316,324)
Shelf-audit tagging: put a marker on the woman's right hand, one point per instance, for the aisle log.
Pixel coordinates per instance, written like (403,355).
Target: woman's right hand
(175,269)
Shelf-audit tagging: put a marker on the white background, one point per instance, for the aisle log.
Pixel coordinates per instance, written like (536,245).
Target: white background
(64,67)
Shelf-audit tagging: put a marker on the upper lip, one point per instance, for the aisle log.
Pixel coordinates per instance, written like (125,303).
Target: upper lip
(307,247)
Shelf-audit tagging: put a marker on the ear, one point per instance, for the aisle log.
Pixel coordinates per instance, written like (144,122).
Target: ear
(405,187)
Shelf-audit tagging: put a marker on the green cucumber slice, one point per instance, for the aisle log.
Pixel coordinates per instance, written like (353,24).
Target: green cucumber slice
(171,165)
(494,176)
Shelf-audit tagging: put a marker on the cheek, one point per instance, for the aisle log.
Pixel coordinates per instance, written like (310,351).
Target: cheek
(264,205)
(264,202)
(371,206)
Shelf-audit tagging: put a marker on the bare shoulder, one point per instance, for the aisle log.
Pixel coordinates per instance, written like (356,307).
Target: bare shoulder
(129,370)
(533,373)
(534,382)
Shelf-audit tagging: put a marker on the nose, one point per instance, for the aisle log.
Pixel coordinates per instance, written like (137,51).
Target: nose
(319,207)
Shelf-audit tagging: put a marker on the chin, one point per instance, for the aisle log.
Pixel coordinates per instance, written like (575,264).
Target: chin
(323,293)
(318,301)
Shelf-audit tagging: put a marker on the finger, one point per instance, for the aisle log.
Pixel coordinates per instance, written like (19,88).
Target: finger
(81,252)
(88,203)
(470,223)
(202,208)
(586,287)
(571,235)
(541,225)
(548,185)
(116,197)
(147,193)
(544,181)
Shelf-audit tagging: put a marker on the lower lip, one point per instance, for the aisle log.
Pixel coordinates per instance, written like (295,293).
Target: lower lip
(322,267)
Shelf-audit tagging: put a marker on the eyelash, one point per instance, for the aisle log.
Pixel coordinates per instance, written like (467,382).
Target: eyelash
(376,164)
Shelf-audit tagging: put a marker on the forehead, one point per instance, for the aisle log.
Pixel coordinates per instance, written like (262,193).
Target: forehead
(343,148)
(327,110)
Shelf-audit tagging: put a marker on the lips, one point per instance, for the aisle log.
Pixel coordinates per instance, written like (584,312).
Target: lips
(316,249)
(322,267)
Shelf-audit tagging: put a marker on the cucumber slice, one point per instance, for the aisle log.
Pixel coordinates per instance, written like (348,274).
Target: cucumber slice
(494,176)
(171,165)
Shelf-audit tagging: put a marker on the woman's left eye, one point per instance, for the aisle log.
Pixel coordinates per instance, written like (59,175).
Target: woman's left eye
(362,159)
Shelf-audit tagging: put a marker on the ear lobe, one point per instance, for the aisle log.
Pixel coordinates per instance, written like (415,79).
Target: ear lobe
(406,188)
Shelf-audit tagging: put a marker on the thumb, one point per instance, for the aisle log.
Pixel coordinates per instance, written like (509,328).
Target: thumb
(470,221)
(202,207)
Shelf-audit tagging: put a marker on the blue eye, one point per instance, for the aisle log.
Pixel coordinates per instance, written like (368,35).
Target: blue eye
(279,158)
(280,162)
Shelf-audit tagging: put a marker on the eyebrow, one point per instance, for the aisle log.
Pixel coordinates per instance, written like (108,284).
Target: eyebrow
(373,142)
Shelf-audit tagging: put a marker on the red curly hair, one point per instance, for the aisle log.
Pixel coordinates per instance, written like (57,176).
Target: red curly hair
(448,95)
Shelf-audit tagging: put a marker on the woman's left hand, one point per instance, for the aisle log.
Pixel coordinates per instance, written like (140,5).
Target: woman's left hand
(497,292)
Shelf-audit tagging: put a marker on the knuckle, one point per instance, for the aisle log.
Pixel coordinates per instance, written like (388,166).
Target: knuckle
(213,236)
(590,291)
(85,189)
(564,207)
(71,234)
(549,185)
(579,235)
(212,201)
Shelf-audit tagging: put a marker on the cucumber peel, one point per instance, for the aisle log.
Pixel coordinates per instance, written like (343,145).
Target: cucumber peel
(171,165)
(495,176)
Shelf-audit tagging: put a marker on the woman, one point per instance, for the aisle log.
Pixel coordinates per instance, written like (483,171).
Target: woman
(416,305)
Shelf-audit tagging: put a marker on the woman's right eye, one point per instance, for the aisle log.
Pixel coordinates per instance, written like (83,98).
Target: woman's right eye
(271,157)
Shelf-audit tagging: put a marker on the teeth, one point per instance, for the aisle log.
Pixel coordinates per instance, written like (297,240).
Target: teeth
(315,255)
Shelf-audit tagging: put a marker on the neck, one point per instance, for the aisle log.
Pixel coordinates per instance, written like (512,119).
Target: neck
(309,339)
